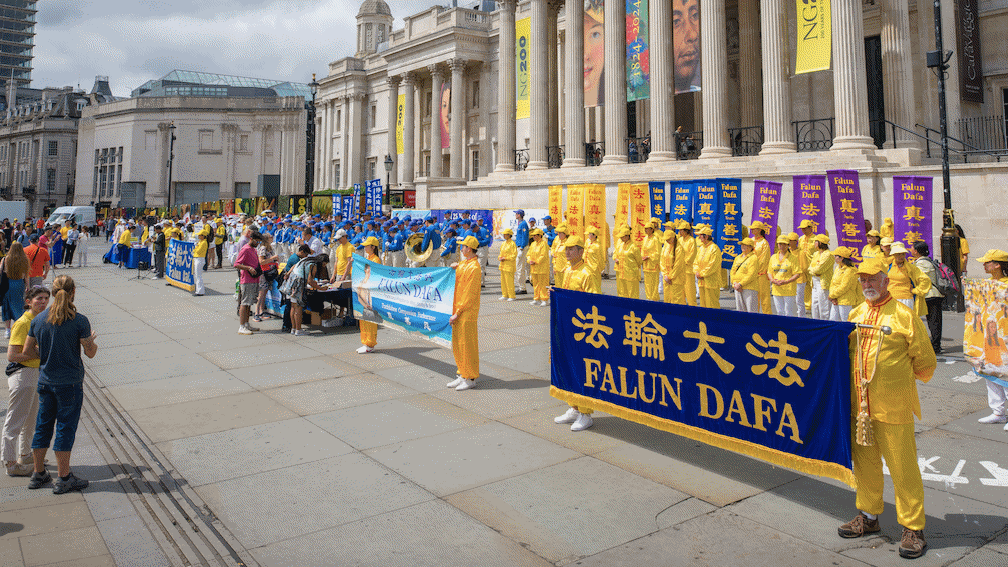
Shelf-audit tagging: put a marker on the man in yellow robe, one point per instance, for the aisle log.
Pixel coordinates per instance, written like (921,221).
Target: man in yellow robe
(465,315)
(682,267)
(506,263)
(891,401)
(579,278)
(707,269)
(651,259)
(537,257)
(594,257)
(762,250)
(628,271)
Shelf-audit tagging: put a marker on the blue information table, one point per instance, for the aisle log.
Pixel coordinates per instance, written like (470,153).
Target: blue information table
(133,257)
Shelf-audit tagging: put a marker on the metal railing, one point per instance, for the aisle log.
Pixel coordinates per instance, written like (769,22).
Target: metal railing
(594,152)
(964,150)
(554,156)
(521,159)
(689,144)
(638,149)
(746,141)
(984,132)
(813,135)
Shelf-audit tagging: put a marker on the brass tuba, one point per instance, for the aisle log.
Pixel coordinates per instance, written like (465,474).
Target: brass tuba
(413,251)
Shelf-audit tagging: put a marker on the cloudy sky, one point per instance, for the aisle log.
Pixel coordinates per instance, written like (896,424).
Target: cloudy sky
(132,41)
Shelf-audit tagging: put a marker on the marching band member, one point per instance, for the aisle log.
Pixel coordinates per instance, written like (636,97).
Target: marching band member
(522,242)
(685,255)
(449,255)
(594,256)
(744,273)
(485,238)
(844,290)
(538,261)
(651,259)
(782,273)
(506,263)
(465,316)
(884,392)
(628,272)
(578,277)
(395,246)
(670,284)
(821,270)
(907,283)
(707,269)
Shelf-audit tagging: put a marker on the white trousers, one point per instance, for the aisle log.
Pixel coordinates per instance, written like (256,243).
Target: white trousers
(482,253)
(996,399)
(820,300)
(784,305)
(800,300)
(909,302)
(397,259)
(22,409)
(839,312)
(522,269)
(747,301)
(197,270)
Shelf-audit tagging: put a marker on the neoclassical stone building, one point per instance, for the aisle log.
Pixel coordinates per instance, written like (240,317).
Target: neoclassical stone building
(872,111)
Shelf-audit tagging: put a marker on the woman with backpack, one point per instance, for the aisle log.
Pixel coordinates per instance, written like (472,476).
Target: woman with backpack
(933,298)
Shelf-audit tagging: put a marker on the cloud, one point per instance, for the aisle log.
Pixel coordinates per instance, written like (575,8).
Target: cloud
(132,42)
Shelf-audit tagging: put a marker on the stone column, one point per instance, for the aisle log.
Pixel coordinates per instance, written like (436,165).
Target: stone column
(776,81)
(750,95)
(162,188)
(900,103)
(330,176)
(458,114)
(393,119)
(539,85)
(409,130)
(615,84)
(574,139)
(662,82)
(345,143)
(714,58)
(555,75)
(506,88)
(558,94)
(435,131)
(850,90)
(354,135)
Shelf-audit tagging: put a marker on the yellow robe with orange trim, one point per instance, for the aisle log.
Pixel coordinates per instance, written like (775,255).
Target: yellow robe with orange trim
(465,337)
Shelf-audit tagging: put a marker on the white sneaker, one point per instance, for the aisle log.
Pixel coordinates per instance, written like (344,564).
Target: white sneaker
(994,418)
(458,380)
(533,302)
(502,298)
(584,421)
(1006,427)
(570,416)
(300,332)
(510,299)
(544,303)
(465,385)
(364,349)
(243,330)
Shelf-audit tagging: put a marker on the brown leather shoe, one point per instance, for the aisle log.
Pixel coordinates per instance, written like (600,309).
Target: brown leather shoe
(913,544)
(859,526)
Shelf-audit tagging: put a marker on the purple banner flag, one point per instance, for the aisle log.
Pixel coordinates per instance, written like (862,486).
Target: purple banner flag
(912,209)
(809,201)
(845,194)
(766,207)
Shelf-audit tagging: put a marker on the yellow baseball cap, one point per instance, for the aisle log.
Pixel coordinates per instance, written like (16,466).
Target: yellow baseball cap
(822,239)
(843,252)
(782,239)
(684,225)
(707,230)
(994,255)
(792,236)
(471,242)
(747,241)
(574,241)
(897,248)
(591,229)
(886,241)
(371,241)
(668,234)
(872,266)
(507,231)
(805,224)
(562,227)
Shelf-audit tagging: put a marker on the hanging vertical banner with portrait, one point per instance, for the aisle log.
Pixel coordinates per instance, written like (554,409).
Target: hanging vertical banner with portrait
(809,201)
(815,43)
(912,209)
(400,116)
(523,35)
(766,207)
(638,64)
(986,328)
(729,227)
(594,53)
(686,45)
(445,114)
(845,194)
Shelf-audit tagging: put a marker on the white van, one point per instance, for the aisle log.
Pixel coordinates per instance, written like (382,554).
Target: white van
(83,216)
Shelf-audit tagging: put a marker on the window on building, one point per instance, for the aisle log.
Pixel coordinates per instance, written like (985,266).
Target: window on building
(336,174)
(243,143)
(243,190)
(119,181)
(381,33)
(53,148)
(374,116)
(94,190)
(475,164)
(427,164)
(372,163)
(50,181)
(339,120)
(120,154)
(112,155)
(475,94)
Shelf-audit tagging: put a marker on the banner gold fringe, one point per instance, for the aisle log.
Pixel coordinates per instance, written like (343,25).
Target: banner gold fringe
(772,456)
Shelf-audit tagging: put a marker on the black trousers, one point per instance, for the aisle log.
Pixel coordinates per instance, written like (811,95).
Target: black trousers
(159,262)
(220,253)
(68,253)
(934,321)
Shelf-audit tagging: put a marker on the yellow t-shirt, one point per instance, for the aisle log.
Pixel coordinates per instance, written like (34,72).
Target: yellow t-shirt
(19,332)
(201,249)
(64,232)
(126,238)
(782,268)
(344,253)
(221,233)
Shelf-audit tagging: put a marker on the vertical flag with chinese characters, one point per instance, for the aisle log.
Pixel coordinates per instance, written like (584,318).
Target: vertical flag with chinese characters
(706,205)
(555,203)
(912,209)
(658,209)
(595,207)
(845,195)
(809,201)
(640,203)
(683,194)
(356,203)
(575,210)
(622,206)
(346,207)
(729,228)
(766,206)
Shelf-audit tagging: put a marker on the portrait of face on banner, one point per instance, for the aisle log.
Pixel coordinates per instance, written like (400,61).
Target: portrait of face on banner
(445,115)
(594,52)
(986,326)
(686,44)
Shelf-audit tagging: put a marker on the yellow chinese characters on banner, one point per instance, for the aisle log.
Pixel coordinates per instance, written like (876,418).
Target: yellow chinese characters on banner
(400,114)
(556,207)
(640,205)
(523,36)
(622,205)
(815,42)
(574,218)
(986,330)
(595,210)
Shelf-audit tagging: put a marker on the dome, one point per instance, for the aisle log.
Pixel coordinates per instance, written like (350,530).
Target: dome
(370,7)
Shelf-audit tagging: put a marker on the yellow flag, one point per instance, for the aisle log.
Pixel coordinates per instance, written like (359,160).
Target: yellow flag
(523,36)
(400,112)
(556,207)
(814,36)
(575,210)
(640,205)
(622,205)
(595,207)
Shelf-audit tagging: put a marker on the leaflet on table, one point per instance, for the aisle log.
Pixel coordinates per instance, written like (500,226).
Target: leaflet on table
(179,264)
(416,300)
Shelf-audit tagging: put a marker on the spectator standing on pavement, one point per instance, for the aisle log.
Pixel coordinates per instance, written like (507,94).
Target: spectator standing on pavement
(15,265)
(247,264)
(159,250)
(199,260)
(38,262)
(995,263)
(522,242)
(70,246)
(22,407)
(58,334)
(465,316)
(933,298)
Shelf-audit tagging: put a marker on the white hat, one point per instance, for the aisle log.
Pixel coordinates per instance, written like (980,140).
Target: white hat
(340,234)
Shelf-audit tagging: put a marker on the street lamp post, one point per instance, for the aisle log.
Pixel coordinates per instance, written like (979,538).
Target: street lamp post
(171,160)
(310,143)
(388,175)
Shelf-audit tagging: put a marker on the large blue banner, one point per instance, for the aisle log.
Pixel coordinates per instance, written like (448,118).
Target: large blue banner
(706,203)
(179,264)
(683,194)
(658,209)
(453,214)
(346,207)
(729,227)
(774,388)
(416,300)
(373,197)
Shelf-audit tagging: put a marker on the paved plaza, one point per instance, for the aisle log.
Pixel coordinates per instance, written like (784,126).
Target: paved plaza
(206,447)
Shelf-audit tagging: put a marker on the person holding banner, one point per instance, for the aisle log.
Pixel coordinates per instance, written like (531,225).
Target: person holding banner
(628,268)
(782,273)
(522,242)
(538,261)
(465,316)
(743,275)
(821,271)
(670,285)
(578,277)
(886,396)
(199,260)
(684,282)
(707,269)
(906,282)
(594,257)
(368,330)
(762,250)
(843,290)
(651,250)
(506,264)
(995,263)
(797,260)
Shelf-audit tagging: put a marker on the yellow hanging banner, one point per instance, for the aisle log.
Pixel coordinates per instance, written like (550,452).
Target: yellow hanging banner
(815,41)
(556,203)
(575,210)
(523,36)
(622,205)
(400,113)
(640,205)
(595,207)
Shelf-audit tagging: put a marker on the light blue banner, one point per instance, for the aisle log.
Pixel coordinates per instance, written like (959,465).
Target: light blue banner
(179,263)
(417,300)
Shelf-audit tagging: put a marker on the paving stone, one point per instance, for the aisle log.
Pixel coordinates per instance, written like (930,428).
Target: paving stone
(499,398)
(116,374)
(131,543)
(328,395)
(54,518)
(255,355)
(189,419)
(178,389)
(68,546)
(265,376)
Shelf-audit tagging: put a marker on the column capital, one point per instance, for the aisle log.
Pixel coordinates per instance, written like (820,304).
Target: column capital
(358,96)
(164,126)
(410,78)
(554,6)
(507,5)
(393,80)
(457,64)
(435,71)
